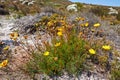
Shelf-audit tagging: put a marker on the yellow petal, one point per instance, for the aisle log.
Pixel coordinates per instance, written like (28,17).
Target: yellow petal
(59,33)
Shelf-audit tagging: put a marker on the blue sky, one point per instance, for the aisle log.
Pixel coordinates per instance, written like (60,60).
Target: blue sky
(101,2)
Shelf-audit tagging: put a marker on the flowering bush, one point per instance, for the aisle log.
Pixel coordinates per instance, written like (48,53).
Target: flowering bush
(76,43)
(66,54)
(69,49)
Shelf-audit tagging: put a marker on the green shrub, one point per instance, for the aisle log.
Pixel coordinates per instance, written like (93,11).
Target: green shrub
(69,50)
(65,54)
(79,5)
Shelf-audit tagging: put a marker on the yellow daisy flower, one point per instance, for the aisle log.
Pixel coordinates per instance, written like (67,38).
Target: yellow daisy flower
(106,47)
(96,25)
(46,53)
(4,63)
(86,24)
(14,36)
(57,44)
(92,51)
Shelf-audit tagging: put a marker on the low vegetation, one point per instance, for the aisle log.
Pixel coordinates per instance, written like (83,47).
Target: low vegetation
(74,47)
(70,51)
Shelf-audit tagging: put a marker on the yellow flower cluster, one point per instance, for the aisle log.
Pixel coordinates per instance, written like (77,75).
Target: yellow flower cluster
(80,18)
(104,47)
(4,63)
(84,24)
